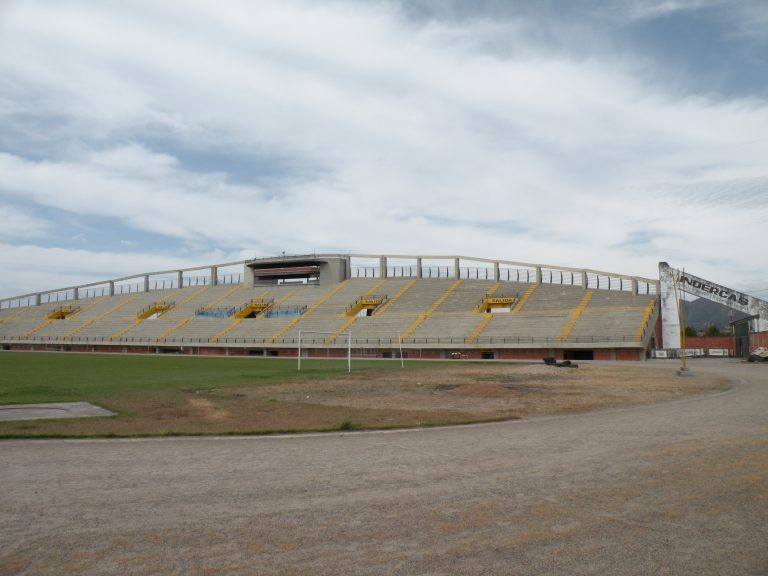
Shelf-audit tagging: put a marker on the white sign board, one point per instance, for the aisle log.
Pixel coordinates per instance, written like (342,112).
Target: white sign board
(674,282)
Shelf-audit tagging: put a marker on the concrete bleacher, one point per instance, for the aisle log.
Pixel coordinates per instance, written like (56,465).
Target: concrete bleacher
(88,311)
(261,329)
(512,328)
(446,328)
(186,302)
(386,329)
(611,317)
(330,316)
(439,312)
(16,324)
(552,297)
(419,297)
(465,297)
(119,316)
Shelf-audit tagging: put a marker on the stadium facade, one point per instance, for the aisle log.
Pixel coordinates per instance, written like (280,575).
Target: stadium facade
(419,306)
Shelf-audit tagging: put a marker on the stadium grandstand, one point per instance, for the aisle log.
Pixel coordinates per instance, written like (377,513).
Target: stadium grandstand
(424,306)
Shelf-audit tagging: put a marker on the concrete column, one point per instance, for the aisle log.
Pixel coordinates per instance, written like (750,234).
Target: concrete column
(77,293)
(584,279)
(670,328)
(348,266)
(538,274)
(214,275)
(418,267)
(383,266)
(180,279)
(496,272)
(634,287)
(456,268)
(37,299)
(111,288)
(146,283)
(247,275)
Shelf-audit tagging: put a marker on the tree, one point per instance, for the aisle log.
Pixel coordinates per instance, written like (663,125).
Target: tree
(713,330)
(690,331)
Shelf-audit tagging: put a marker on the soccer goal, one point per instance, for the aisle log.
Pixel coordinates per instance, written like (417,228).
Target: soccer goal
(303,333)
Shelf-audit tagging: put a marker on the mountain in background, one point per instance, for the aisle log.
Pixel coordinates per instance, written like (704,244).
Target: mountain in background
(702,313)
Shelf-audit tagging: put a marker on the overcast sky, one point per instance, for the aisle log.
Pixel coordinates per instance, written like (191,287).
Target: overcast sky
(145,135)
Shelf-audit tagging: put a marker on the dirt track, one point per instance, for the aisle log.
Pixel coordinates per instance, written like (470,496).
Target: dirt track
(675,488)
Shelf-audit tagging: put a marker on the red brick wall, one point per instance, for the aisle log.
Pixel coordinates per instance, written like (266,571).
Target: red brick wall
(515,354)
(431,354)
(112,349)
(238,352)
(209,351)
(525,354)
(758,339)
(707,342)
(629,354)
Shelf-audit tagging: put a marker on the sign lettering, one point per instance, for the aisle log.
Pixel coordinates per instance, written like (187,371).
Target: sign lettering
(719,291)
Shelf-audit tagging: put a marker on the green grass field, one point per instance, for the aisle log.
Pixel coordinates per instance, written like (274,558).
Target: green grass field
(27,378)
(162,395)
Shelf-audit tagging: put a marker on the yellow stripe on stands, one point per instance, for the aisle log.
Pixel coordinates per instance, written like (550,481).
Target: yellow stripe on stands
(395,298)
(524,298)
(309,311)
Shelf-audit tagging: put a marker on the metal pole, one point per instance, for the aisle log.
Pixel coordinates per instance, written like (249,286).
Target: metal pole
(681,304)
(400,342)
(349,351)
(299,350)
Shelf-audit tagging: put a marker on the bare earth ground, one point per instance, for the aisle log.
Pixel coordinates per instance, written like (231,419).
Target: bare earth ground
(450,394)
(674,488)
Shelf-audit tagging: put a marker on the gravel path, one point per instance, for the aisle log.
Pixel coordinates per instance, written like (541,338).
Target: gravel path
(675,488)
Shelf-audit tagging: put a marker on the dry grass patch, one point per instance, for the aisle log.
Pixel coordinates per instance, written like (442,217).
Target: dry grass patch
(377,398)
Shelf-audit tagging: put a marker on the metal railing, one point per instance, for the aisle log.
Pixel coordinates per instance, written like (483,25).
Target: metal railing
(378,298)
(492,340)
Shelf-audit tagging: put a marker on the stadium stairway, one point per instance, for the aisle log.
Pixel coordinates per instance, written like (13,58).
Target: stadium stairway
(434,306)
(347,326)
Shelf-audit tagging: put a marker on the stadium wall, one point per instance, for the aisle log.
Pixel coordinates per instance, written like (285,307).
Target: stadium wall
(410,353)
(707,343)
(757,339)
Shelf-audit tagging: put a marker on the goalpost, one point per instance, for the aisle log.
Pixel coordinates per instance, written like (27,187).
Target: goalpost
(349,344)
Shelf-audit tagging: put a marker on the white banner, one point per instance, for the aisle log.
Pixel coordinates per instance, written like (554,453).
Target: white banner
(674,282)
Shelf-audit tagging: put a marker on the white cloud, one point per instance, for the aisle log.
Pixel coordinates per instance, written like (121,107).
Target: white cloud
(18,223)
(397,136)
(29,268)
(644,9)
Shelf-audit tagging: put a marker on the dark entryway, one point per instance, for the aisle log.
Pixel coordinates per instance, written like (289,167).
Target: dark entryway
(741,334)
(579,354)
